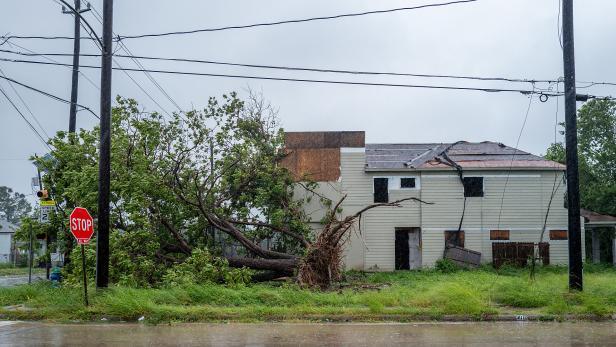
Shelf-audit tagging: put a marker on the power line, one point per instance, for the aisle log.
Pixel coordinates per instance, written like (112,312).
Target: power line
(46,56)
(138,85)
(324,70)
(49,95)
(268,78)
(246,26)
(123,46)
(26,106)
(515,150)
(99,46)
(149,76)
(308,69)
(6,38)
(294,20)
(25,119)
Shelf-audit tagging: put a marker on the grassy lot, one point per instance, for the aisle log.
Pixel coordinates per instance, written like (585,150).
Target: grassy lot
(398,296)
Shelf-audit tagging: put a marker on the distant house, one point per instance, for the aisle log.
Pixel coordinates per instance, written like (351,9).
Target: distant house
(481,194)
(7,231)
(594,221)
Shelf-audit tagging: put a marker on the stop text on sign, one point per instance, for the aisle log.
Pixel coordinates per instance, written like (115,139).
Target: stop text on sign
(81,224)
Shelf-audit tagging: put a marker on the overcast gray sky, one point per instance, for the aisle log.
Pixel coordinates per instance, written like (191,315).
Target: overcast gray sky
(505,38)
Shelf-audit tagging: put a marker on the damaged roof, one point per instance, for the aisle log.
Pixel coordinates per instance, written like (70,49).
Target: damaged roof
(469,155)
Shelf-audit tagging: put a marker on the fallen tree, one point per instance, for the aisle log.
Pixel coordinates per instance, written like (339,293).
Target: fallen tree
(203,180)
(242,191)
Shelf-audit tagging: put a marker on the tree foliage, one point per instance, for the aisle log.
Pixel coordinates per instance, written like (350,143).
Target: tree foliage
(181,184)
(597,155)
(13,205)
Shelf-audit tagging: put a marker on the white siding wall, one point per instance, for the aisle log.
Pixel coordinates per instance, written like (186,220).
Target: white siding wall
(524,196)
(5,247)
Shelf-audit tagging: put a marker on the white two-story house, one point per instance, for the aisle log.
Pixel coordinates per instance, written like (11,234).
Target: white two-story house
(479,194)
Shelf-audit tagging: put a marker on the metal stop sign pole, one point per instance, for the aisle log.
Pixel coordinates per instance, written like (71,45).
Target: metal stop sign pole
(85,278)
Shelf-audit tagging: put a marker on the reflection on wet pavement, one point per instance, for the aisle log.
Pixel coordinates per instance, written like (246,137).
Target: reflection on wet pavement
(418,334)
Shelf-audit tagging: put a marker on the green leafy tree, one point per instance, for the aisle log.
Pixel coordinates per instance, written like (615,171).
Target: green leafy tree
(174,180)
(178,185)
(13,205)
(597,155)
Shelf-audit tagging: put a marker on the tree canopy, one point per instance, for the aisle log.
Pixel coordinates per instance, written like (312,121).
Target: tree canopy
(13,205)
(597,155)
(203,179)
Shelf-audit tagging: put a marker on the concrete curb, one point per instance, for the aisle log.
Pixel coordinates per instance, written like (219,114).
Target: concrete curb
(350,319)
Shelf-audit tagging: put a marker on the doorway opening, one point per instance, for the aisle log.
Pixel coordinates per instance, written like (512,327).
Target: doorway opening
(408,248)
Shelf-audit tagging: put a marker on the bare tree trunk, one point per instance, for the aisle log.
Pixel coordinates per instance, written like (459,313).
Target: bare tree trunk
(285,266)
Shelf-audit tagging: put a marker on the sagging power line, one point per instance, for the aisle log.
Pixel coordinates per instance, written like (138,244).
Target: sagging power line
(544,94)
(290,21)
(25,104)
(247,26)
(47,57)
(130,55)
(322,70)
(307,69)
(303,80)
(25,119)
(49,95)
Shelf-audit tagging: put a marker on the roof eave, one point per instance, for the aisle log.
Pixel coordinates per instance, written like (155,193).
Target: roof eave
(529,168)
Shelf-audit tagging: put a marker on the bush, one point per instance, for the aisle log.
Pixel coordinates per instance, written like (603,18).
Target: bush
(132,260)
(202,268)
(446,266)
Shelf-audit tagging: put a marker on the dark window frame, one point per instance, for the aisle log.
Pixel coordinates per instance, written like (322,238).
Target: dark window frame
(382,195)
(473,186)
(413,179)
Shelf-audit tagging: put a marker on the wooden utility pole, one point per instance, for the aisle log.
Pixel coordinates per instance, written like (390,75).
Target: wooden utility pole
(104,161)
(573,184)
(72,120)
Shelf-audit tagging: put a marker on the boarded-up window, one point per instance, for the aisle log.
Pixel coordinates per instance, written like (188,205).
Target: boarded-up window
(454,238)
(499,234)
(473,186)
(407,182)
(381,192)
(558,234)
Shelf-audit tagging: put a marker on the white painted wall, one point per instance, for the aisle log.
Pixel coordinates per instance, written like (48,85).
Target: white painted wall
(5,247)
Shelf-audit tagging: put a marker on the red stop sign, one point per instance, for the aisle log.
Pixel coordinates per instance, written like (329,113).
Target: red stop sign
(81,224)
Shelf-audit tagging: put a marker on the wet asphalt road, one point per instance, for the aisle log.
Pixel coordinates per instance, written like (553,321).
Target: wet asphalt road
(380,335)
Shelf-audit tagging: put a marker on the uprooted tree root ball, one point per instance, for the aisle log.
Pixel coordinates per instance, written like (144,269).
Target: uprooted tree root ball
(322,263)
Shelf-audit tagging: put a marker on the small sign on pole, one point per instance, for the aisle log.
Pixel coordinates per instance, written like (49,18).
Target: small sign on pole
(82,227)
(47,208)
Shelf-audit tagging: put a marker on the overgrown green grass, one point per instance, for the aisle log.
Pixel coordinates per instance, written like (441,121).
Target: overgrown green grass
(378,296)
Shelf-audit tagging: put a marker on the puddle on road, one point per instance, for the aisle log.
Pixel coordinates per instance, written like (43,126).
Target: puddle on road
(420,334)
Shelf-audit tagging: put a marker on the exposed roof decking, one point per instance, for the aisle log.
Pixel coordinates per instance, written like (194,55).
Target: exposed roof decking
(426,156)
